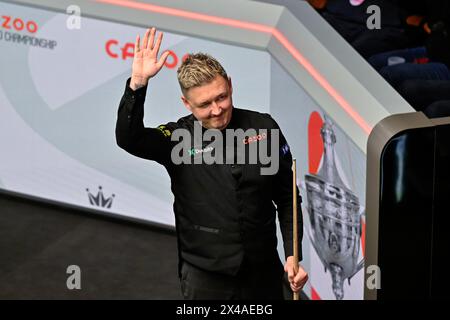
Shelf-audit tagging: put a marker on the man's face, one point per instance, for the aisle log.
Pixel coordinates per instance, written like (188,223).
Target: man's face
(211,103)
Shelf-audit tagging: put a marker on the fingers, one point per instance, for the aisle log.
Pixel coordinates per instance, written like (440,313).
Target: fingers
(297,279)
(300,279)
(152,38)
(136,45)
(145,44)
(295,288)
(148,43)
(290,272)
(163,59)
(158,43)
(300,275)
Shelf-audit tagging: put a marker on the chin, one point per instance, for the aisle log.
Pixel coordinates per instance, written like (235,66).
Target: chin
(218,127)
(223,125)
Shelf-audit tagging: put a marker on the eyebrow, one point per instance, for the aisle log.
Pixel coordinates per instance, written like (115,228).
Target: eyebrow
(209,101)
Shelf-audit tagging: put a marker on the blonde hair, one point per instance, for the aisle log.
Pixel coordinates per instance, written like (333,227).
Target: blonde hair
(198,69)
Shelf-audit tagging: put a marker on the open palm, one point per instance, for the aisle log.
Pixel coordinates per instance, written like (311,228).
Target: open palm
(145,62)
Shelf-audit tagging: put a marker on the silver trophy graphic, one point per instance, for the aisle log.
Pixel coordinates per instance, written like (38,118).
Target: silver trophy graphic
(334,217)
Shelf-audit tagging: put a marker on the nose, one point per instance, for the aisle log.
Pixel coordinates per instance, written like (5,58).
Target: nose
(216,109)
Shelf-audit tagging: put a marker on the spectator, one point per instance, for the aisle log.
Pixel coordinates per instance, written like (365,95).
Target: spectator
(438,109)
(349,19)
(425,75)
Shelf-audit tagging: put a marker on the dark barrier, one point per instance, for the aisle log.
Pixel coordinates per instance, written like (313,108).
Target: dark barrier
(408,208)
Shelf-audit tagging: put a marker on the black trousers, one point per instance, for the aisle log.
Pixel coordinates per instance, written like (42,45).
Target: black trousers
(253,282)
(421,93)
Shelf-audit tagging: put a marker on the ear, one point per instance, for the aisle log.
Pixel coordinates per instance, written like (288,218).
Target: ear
(230,85)
(186,103)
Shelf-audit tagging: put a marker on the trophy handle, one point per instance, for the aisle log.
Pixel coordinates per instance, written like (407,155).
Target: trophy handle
(359,267)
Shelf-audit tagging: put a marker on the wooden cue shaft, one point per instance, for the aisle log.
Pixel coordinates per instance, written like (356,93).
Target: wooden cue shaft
(294,218)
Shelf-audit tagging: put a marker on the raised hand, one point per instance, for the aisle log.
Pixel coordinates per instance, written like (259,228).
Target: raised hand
(145,62)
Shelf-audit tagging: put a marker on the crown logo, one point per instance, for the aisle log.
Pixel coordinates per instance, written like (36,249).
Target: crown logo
(99,200)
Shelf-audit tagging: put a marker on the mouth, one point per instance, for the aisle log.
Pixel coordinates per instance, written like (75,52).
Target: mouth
(217,118)
(218,122)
